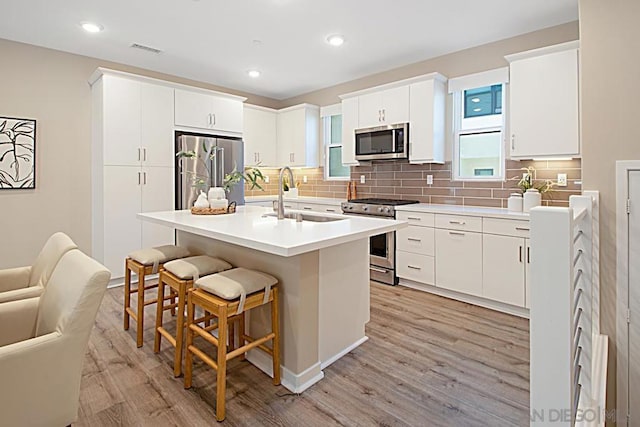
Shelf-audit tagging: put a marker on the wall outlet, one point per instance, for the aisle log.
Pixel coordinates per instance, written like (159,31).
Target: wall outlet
(304,179)
(429,179)
(362,179)
(562,180)
(266,179)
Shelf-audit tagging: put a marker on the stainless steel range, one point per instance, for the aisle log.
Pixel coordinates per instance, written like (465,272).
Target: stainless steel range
(382,248)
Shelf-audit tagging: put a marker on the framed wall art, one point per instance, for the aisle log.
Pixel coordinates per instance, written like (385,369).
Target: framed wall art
(17,153)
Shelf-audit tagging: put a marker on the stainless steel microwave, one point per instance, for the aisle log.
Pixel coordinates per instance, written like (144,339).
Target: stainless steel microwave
(383,142)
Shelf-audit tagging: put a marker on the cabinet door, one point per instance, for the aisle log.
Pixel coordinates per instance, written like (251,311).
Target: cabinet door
(459,261)
(157,195)
(193,109)
(544,105)
(417,240)
(259,137)
(419,268)
(503,264)
(395,105)
(122,230)
(291,132)
(426,122)
(121,121)
(226,114)
(527,274)
(349,125)
(156,130)
(370,110)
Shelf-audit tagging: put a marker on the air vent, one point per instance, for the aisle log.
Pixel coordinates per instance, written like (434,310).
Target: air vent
(146,48)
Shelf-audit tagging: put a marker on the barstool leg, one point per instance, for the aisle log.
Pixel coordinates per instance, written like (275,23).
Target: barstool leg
(140,322)
(241,333)
(222,364)
(232,336)
(188,362)
(275,327)
(159,312)
(177,359)
(127,293)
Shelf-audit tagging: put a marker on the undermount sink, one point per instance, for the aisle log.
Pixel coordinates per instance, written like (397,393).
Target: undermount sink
(307,217)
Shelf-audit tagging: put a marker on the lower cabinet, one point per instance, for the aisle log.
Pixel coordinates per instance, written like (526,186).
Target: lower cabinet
(504,262)
(459,261)
(420,268)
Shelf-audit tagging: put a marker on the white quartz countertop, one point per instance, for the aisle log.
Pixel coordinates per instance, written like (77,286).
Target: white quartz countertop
(464,210)
(299,199)
(249,227)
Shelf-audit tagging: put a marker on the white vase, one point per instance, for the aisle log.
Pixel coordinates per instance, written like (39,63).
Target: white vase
(514,202)
(532,198)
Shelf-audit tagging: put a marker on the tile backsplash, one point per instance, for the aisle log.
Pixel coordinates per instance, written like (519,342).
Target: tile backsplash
(401,180)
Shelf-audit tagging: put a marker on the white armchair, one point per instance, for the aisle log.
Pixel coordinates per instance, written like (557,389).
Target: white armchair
(27,282)
(43,342)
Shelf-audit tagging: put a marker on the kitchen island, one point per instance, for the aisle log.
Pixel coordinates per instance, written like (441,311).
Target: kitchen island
(323,274)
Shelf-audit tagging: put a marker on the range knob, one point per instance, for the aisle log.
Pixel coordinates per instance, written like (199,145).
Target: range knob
(380,209)
(365,208)
(387,210)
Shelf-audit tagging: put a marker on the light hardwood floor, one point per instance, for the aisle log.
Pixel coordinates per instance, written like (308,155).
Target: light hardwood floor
(430,361)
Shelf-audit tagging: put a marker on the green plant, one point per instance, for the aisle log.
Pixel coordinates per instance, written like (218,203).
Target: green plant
(528,180)
(285,183)
(251,175)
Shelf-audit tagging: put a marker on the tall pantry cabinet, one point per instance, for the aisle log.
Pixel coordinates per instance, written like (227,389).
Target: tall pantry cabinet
(132,164)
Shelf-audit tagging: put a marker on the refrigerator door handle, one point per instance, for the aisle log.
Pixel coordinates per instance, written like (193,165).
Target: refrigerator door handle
(221,169)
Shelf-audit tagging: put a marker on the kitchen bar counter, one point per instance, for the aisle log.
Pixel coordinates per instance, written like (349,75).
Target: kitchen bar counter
(323,276)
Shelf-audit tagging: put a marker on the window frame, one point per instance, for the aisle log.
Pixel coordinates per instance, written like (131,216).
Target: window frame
(327,113)
(477,125)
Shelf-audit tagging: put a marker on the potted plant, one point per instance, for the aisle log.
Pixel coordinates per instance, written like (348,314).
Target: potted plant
(529,181)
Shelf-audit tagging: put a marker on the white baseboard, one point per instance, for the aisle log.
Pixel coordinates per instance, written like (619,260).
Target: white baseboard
(332,359)
(119,281)
(482,302)
(296,383)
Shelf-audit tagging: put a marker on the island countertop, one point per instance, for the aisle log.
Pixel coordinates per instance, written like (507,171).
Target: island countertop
(249,227)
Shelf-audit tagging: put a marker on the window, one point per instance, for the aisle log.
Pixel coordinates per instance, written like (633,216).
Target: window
(478,122)
(332,138)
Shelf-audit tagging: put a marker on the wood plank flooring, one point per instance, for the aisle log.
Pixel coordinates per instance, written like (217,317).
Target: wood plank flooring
(430,361)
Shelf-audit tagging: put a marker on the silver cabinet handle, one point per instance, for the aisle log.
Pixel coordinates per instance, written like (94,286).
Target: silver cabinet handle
(455,233)
(144,154)
(529,255)
(258,157)
(520,253)
(414,218)
(457,222)
(379,115)
(145,177)
(139,178)
(378,270)
(513,141)
(384,114)
(138,153)
(413,267)
(209,119)
(306,208)
(522,229)
(214,119)
(412,239)
(330,210)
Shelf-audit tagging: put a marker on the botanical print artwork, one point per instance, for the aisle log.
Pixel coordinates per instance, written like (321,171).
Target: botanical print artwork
(17,153)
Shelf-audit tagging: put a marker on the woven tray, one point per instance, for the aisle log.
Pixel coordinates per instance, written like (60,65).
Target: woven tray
(214,211)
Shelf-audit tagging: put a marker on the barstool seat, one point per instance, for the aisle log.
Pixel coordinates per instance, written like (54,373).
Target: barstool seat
(227,296)
(143,262)
(179,275)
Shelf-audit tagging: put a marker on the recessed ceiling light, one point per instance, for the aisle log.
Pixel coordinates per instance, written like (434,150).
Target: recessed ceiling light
(335,40)
(475,99)
(253,73)
(90,27)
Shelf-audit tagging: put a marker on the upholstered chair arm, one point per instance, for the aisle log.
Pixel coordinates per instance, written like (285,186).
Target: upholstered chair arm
(14,278)
(18,321)
(18,294)
(40,382)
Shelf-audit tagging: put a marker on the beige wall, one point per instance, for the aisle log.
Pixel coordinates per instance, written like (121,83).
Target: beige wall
(456,64)
(51,87)
(610,69)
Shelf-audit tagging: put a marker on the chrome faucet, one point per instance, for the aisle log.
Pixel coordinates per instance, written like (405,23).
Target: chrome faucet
(281,191)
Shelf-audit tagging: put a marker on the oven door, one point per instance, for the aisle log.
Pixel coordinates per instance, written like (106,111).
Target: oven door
(382,250)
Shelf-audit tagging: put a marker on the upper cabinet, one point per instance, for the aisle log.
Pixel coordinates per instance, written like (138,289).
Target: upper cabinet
(259,136)
(419,101)
(298,136)
(207,111)
(384,107)
(544,103)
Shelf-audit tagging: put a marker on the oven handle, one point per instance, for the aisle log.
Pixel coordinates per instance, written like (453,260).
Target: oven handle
(378,270)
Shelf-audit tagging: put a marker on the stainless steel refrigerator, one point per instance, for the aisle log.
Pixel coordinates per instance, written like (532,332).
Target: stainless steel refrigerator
(229,154)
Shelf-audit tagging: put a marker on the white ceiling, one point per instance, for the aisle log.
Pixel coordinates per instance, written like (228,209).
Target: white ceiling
(213,40)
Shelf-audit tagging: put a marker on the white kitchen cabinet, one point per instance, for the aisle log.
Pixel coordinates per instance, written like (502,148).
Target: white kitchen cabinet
(386,106)
(427,102)
(504,261)
(317,207)
(459,261)
(156,126)
(259,136)
(157,183)
(543,102)
(418,240)
(349,125)
(298,136)
(416,267)
(208,111)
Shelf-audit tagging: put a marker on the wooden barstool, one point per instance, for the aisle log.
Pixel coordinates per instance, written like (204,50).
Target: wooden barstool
(179,275)
(142,263)
(227,296)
